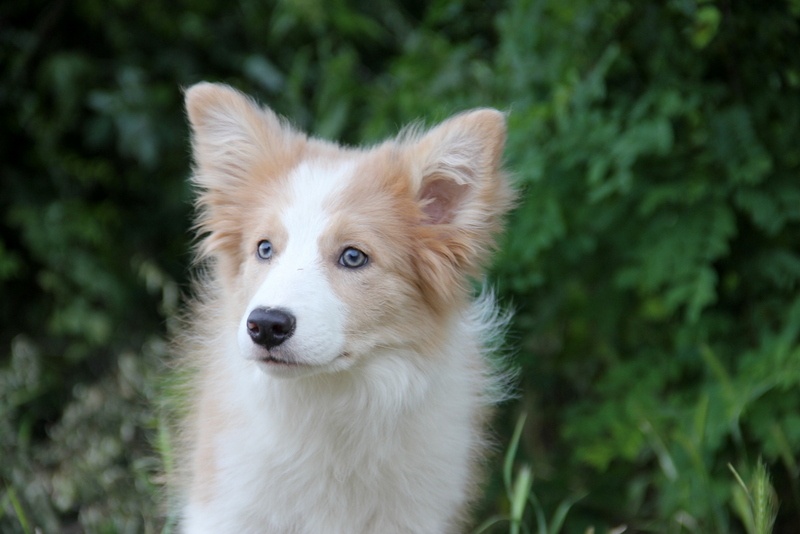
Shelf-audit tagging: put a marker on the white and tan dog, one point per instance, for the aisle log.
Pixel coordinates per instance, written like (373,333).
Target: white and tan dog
(341,379)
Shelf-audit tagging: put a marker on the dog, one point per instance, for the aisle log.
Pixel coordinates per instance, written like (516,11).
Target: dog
(339,362)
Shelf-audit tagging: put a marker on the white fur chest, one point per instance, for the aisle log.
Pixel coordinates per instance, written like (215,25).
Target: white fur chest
(343,458)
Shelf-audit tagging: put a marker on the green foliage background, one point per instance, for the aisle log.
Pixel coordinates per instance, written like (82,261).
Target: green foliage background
(654,259)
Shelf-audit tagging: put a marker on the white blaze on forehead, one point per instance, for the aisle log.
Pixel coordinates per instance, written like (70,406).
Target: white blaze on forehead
(313,184)
(297,280)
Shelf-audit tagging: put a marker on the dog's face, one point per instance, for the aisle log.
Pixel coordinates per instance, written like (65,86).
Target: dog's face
(328,256)
(320,283)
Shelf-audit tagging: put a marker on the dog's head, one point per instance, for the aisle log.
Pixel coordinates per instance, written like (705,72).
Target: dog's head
(327,255)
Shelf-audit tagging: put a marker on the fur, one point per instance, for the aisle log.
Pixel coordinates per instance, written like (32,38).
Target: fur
(369,417)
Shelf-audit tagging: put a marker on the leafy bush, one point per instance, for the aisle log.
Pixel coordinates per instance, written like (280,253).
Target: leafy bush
(654,259)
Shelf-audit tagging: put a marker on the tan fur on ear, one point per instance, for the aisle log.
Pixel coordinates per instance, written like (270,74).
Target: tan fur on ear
(230,131)
(237,147)
(462,194)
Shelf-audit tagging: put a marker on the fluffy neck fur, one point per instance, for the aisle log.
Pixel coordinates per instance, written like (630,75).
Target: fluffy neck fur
(312,451)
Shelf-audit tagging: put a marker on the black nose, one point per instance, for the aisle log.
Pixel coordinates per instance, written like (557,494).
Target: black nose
(269,327)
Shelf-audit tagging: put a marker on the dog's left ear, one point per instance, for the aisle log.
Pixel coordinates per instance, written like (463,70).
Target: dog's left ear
(462,193)
(459,164)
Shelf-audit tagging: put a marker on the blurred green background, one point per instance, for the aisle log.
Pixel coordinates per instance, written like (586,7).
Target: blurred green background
(654,259)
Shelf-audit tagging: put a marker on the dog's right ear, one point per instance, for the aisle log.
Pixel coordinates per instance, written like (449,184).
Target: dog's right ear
(230,133)
(236,146)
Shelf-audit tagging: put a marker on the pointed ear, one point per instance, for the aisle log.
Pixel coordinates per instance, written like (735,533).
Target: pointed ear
(462,193)
(230,132)
(237,146)
(459,160)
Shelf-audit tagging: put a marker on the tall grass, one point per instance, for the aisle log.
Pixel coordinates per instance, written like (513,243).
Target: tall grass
(518,485)
(755,503)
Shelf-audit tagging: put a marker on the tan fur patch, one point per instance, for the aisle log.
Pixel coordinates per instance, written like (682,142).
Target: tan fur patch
(239,149)
(376,214)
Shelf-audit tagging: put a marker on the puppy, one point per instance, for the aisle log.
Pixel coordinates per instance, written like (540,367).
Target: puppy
(338,364)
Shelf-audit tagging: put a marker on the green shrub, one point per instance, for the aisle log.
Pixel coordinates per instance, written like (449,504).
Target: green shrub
(655,258)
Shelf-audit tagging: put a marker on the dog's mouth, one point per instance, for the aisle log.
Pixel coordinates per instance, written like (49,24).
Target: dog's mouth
(272,359)
(280,363)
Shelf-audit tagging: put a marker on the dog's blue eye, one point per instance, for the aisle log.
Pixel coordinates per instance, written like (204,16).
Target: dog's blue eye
(352,258)
(264,250)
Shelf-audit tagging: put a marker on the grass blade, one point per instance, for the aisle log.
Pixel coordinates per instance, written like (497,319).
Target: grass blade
(511,453)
